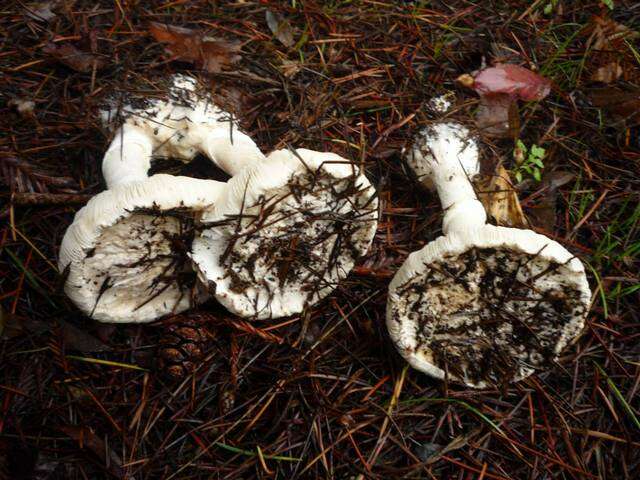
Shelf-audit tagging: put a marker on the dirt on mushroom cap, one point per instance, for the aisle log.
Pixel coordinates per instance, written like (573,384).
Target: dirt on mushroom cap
(291,248)
(490,316)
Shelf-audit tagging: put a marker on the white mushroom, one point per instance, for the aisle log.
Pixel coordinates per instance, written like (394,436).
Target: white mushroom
(276,239)
(288,230)
(481,305)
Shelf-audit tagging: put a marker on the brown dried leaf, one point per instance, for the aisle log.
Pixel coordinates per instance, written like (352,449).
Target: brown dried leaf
(609,34)
(432,452)
(500,199)
(611,56)
(544,214)
(211,54)
(86,437)
(41,12)
(290,68)
(281,28)
(73,58)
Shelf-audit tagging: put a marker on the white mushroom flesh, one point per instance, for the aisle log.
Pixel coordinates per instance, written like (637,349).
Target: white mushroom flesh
(431,141)
(142,259)
(185,121)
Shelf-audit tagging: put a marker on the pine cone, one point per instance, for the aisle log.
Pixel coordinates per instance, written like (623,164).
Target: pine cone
(182,346)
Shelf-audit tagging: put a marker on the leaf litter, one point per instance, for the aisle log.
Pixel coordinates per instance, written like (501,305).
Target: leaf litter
(213,55)
(359,87)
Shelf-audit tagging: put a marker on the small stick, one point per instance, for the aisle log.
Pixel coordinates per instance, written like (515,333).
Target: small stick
(32,198)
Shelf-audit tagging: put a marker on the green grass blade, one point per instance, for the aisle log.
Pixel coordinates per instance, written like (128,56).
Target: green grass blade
(618,394)
(249,453)
(106,362)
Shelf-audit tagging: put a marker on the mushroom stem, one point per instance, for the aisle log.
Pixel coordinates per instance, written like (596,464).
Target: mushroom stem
(230,149)
(128,158)
(450,157)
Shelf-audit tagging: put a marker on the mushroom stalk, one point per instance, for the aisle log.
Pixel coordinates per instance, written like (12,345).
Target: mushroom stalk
(230,149)
(128,158)
(451,159)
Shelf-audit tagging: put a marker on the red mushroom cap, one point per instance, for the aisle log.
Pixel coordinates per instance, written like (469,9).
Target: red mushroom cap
(513,80)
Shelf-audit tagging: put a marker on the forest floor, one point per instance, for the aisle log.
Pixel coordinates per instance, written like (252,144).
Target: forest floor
(325,395)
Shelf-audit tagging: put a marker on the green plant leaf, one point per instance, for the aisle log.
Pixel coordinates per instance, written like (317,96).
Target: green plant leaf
(521,146)
(537,162)
(537,175)
(618,394)
(249,453)
(608,3)
(537,152)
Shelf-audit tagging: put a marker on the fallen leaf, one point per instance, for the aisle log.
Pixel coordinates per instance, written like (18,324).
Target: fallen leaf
(558,178)
(607,34)
(500,199)
(281,28)
(513,80)
(211,54)
(608,73)
(611,56)
(73,58)
(430,453)
(86,437)
(290,68)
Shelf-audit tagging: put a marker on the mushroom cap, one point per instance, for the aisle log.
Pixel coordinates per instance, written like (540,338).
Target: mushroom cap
(487,306)
(126,250)
(436,141)
(513,80)
(287,230)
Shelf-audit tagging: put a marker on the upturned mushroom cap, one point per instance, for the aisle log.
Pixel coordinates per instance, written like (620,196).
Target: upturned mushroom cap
(286,232)
(487,306)
(125,253)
